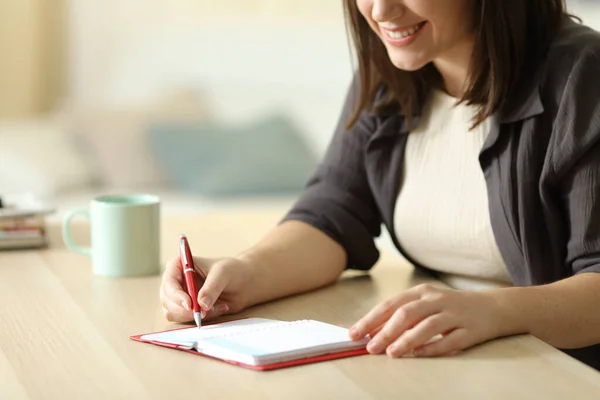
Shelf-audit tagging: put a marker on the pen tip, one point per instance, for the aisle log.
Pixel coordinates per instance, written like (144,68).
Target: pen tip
(198,319)
(182,236)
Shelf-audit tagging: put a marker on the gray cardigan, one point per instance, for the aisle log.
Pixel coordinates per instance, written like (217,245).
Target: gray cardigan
(541,162)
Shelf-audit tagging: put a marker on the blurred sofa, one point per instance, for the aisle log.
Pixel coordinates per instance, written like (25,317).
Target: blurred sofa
(174,148)
(141,72)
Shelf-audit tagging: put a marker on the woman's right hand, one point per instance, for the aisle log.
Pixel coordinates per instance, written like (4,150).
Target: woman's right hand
(223,287)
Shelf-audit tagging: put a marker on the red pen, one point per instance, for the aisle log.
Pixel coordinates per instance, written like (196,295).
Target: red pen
(187,264)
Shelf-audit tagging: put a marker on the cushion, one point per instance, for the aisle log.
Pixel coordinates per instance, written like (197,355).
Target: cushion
(37,156)
(115,142)
(115,139)
(266,157)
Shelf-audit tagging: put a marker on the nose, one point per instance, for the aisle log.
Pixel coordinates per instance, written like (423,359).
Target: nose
(387,10)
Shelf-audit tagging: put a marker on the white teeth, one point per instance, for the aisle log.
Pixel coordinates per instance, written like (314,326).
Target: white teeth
(403,34)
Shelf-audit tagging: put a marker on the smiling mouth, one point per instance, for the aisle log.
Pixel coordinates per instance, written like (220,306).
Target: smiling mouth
(405,33)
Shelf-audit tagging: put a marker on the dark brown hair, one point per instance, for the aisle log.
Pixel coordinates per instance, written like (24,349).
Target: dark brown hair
(511,38)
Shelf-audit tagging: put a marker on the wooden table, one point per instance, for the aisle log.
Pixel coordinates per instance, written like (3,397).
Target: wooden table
(64,334)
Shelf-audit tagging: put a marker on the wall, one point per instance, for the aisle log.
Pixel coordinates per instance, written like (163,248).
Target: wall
(587,10)
(248,57)
(31,71)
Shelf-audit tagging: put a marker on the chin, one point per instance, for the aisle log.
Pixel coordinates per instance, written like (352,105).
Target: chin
(408,63)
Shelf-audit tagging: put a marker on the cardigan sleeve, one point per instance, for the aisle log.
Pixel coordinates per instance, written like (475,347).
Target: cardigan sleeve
(337,199)
(577,163)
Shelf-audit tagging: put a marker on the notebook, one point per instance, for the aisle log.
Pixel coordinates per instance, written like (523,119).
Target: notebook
(262,344)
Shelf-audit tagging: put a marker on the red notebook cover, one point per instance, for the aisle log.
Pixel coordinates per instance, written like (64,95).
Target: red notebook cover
(264,367)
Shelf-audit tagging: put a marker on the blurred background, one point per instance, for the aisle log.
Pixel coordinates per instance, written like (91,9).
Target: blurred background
(204,102)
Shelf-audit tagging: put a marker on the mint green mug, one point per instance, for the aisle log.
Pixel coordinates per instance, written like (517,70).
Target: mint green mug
(125,235)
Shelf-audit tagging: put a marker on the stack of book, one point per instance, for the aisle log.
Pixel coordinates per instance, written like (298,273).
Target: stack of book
(22,222)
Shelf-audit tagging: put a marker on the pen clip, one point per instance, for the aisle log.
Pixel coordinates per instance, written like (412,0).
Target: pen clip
(183,246)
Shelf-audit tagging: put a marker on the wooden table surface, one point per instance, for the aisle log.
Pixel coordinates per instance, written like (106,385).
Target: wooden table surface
(64,334)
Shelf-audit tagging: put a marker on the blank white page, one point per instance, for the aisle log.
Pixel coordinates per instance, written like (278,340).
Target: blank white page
(285,341)
(257,341)
(191,336)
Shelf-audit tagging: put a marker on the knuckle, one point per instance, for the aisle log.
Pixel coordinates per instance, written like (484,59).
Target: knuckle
(425,288)
(409,342)
(440,299)
(384,336)
(438,296)
(402,313)
(431,324)
(414,308)
(387,304)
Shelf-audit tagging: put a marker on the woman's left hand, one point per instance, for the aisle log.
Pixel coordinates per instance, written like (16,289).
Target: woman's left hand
(404,324)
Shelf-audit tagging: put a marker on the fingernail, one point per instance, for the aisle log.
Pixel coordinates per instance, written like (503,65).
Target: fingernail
(205,302)
(185,305)
(165,311)
(418,352)
(373,346)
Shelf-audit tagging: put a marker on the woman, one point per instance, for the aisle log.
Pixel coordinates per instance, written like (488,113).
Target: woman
(472,131)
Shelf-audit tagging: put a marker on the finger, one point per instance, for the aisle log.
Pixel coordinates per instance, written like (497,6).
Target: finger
(455,341)
(422,333)
(173,290)
(174,270)
(404,318)
(216,280)
(174,282)
(376,331)
(220,308)
(380,314)
(174,312)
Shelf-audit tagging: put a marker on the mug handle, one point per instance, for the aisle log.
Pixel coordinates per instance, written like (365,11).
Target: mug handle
(66,233)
